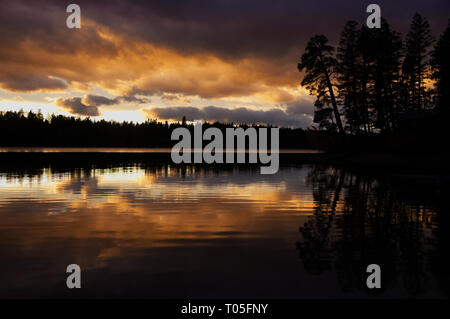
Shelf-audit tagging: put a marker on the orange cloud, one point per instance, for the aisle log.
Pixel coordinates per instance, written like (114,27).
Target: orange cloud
(93,56)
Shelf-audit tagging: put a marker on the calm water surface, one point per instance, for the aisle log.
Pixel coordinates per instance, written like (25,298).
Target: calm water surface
(139,230)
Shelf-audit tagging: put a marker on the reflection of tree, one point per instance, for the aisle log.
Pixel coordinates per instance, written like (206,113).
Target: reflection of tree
(315,250)
(359,221)
(439,261)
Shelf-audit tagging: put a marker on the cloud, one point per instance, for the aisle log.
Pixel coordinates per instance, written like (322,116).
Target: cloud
(89,104)
(209,77)
(76,106)
(45,24)
(39,53)
(133,99)
(256,28)
(175,98)
(303,106)
(178,50)
(276,117)
(27,83)
(98,100)
(144,68)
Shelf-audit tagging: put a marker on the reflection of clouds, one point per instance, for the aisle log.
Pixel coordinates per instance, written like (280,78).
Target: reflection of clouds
(138,187)
(168,224)
(79,185)
(199,204)
(101,216)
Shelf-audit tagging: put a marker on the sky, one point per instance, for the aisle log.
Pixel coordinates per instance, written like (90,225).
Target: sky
(228,60)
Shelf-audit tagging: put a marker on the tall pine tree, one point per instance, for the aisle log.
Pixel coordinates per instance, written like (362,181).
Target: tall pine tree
(319,65)
(387,46)
(416,62)
(349,69)
(441,70)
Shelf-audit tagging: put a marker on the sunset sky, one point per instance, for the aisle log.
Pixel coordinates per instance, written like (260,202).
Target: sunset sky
(229,60)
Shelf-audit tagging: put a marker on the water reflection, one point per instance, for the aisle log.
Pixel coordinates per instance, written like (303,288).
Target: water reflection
(166,231)
(360,220)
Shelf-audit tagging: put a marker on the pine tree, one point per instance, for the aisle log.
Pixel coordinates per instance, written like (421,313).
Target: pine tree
(416,62)
(319,64)
(387,47)
(349,70)
(366,47)
(441,70)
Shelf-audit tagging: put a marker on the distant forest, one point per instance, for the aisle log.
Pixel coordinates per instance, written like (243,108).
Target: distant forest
(377,82)
(33,129)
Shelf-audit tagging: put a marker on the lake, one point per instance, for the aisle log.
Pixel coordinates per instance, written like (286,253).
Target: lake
(143,227)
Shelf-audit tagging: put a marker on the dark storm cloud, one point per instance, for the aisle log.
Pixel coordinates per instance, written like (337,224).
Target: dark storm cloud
(44,22)
(32,35)
(232,28)
(239,115)
(276,31)
(237,28)
(76,106)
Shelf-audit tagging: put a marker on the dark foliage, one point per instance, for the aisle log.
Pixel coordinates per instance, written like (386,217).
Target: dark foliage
(376,82)
(32,129)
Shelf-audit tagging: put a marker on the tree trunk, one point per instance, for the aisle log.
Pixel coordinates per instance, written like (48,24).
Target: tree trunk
(333,102)
(332,97)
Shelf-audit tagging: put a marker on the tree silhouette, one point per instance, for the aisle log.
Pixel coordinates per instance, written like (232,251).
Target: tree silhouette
(369,77)
(386,57)
(319,64)
(349,70)
(381,83)
(359,220)
(32,129)
(441,73)
(416,62)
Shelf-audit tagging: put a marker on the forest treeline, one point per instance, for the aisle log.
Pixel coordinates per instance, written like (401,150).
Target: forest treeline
(376,82)
(19,128)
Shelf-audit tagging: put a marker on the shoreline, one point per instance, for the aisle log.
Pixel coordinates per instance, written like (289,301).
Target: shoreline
(435,163)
